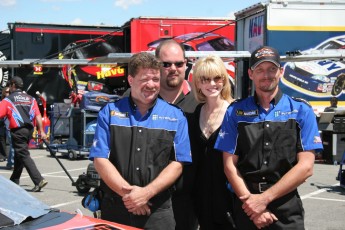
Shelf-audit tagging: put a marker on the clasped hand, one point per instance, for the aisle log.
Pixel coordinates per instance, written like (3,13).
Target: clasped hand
(136,200)
(255,206)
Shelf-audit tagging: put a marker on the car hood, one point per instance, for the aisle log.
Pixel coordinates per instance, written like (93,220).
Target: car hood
(20,210)
(324,67)
(17,204)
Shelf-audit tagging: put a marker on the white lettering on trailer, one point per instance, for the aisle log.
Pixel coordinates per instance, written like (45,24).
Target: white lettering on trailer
(255,26)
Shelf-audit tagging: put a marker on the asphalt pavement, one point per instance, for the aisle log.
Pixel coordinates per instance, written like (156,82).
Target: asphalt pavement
(323,198)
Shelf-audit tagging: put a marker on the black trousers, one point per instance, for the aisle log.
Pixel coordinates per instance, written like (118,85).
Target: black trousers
(3,153)
(20,142)
(288,209)
(162,216)
(184,212)
(183,200)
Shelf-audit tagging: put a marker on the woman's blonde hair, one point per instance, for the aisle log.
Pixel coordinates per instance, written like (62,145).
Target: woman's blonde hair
(210,66)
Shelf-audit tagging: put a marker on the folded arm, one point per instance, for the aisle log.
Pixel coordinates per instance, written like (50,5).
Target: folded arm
(253,205)
(262,219)
(111,176)
(138,196)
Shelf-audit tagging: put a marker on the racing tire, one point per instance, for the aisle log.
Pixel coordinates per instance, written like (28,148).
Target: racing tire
(338,86)
(336,90)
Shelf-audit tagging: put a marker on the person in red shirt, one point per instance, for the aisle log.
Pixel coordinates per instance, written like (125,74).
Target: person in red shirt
(20,109)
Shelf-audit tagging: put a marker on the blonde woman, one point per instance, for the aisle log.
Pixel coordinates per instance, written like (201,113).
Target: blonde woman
(211,87)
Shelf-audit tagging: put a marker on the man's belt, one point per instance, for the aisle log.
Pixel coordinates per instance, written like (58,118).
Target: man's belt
(258,187)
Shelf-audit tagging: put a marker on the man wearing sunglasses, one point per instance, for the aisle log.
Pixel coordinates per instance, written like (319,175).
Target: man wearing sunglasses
(176,90)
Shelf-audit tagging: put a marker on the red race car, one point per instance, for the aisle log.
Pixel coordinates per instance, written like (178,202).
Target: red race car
(20,210)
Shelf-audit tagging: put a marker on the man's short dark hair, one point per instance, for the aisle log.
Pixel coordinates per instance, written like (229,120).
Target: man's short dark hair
(168,42)
(142,60)
(334,100)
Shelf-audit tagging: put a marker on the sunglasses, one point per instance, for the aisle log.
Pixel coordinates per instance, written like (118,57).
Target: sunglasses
(169,64)
(207,80)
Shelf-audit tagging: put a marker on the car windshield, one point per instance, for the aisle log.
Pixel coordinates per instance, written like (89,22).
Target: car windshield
(330,45)
(218,44)
(97,49)
(188,47)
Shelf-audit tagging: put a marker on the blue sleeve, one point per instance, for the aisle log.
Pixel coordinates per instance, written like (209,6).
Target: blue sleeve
(227,137)
(100,146)
(310,136)
(181,142)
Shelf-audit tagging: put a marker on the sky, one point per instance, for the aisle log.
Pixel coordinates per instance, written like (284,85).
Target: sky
(112,12)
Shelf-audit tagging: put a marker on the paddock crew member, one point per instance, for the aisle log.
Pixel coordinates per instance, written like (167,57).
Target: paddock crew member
(139,146)
(178,91)
(20,109)
(268,143)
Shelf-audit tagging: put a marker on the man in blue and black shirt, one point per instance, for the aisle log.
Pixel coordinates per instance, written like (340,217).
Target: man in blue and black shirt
(268,143)
(140,145)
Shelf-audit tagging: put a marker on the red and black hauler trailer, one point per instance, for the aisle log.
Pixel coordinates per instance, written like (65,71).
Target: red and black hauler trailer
(140,34)
(195,33)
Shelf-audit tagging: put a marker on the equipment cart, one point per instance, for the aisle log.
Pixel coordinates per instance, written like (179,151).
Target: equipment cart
(71,132)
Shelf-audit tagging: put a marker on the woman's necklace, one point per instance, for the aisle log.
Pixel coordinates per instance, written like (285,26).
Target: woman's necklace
(210,123)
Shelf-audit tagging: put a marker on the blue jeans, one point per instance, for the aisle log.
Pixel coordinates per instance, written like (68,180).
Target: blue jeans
(10,157)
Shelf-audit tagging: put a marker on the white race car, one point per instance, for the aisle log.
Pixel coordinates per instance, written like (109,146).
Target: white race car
(317,78)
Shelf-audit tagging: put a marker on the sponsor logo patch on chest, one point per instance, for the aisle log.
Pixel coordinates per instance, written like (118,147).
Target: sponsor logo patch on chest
(118,114)
(156,117)
(285,113)
(249,113)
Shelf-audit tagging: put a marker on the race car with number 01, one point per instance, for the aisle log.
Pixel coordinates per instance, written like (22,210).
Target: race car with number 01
(318,78)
